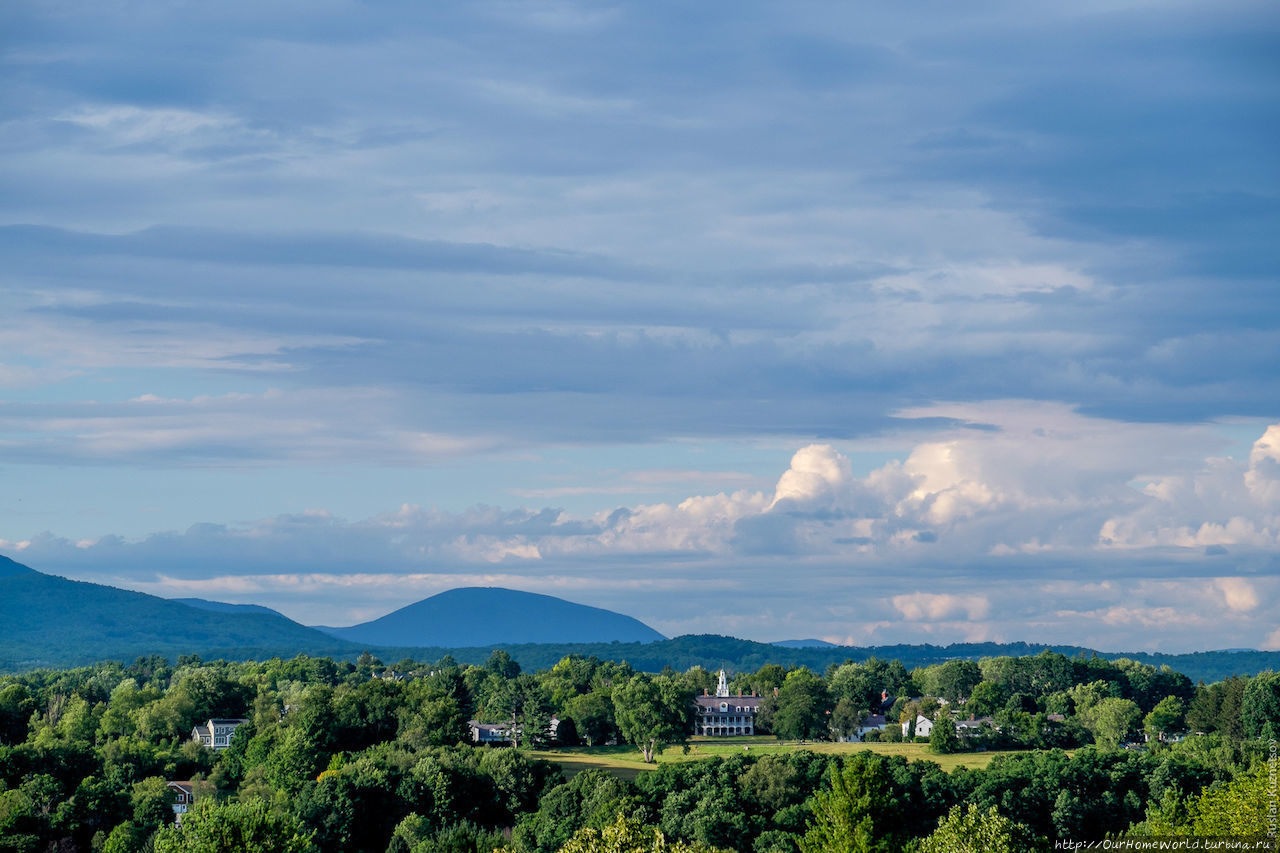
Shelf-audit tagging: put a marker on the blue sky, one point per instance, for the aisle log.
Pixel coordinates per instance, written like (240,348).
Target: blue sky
(875,324)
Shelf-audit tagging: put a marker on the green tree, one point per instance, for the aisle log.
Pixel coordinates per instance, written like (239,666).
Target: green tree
(854,682)
(987,698)
(436,721)
(860,813)
(592,713)
(1167,716)
(1260,706)
(591,798)
(801,708)
(1237,809)
(653,713)
(846,718)
(152,802)
(1111,720)
(953,680)
(16,705)
(502,665)
(943,739)
(976,831)
(238,827)
(626,835)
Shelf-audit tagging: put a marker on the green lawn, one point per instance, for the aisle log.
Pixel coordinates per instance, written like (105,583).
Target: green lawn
(625,761)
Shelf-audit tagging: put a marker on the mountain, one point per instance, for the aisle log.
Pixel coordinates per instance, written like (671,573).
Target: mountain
(805,644)
(482,616)
(223,607)
(9,567)
(48,621)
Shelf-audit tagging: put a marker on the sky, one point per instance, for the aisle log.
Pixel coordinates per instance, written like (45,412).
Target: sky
(876,323)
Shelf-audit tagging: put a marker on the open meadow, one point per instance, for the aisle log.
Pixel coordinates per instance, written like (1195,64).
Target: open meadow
(625,761)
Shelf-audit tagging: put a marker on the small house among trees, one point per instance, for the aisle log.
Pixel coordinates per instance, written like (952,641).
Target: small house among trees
(216,734)
(183,796)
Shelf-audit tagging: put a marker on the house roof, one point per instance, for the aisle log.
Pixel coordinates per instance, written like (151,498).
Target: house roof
(489,727)
(973,724)
(714,702)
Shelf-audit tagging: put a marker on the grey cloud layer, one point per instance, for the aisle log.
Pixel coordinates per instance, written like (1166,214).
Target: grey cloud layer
(402,234)
(565,216)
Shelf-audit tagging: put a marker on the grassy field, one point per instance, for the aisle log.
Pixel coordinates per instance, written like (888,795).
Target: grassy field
(625,761)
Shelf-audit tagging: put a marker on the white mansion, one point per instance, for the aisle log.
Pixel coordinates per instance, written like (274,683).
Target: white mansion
(723,715)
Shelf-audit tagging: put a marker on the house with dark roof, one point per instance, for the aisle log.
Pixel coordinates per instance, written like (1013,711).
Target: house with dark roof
(183,796)
(216,734)
(505,732)
(873,723)
(724,715)
(489,732)
(974,726)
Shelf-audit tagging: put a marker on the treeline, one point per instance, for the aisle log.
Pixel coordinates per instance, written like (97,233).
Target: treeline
(715,651)
(340,756)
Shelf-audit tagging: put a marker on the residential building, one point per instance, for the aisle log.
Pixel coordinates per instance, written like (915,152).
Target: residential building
(973,726)
(501,732)
(724,715)
(216,734)
(489,732)
(183,796)
(873,723)
(924,726)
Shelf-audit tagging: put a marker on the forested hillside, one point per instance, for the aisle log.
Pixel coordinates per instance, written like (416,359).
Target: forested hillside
(364,757)
(52,621)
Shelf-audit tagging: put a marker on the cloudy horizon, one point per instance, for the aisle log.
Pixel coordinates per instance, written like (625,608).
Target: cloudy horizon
(879,326)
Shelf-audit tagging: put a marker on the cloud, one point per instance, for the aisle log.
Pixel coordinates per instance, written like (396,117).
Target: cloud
(936,607)
(1002,324)
(341,249)
(274,426)
(875,542)
(1263,477)
(817,475)
(1238,593)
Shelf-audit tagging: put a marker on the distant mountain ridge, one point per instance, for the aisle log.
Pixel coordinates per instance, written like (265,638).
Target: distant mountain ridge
(805,644)
(48,621)
(11,567)
(486,616)
(224,607)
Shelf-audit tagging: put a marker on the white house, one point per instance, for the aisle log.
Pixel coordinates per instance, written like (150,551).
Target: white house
(216,734)
(924,726)
(724,715)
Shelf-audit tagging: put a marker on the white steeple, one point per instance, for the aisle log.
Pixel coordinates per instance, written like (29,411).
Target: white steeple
(722,689)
